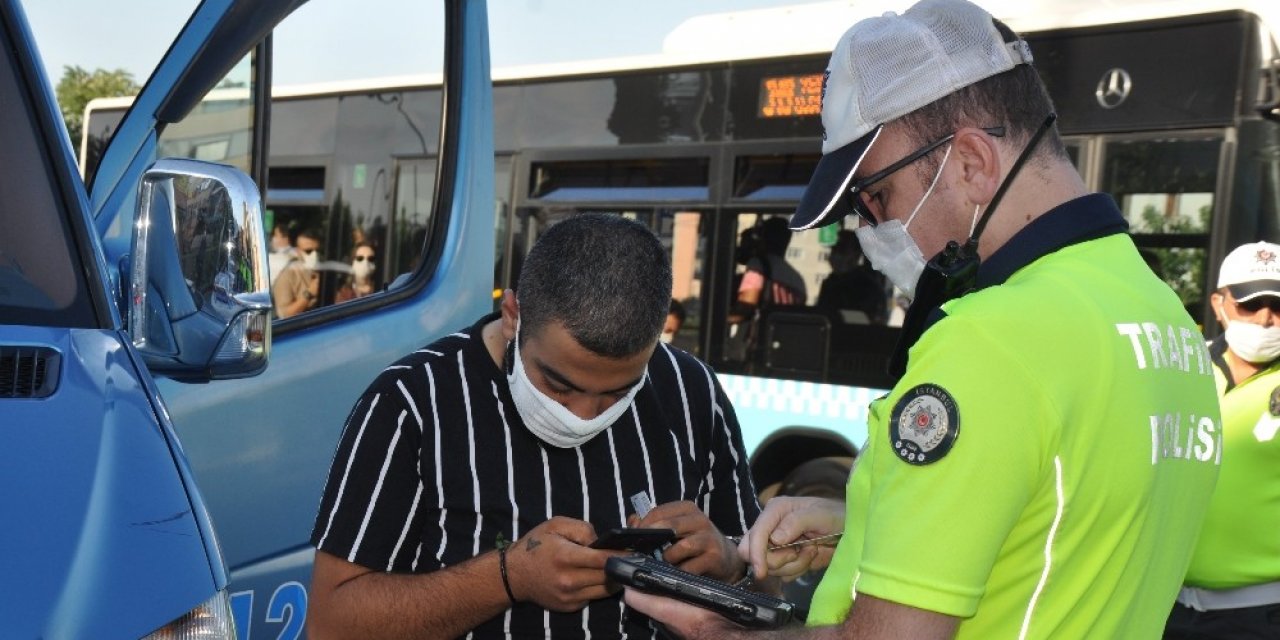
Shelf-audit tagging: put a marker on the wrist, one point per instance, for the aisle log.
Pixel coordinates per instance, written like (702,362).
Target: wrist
(506,579)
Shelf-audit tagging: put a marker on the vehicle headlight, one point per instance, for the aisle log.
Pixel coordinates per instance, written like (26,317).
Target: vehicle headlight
(209,621)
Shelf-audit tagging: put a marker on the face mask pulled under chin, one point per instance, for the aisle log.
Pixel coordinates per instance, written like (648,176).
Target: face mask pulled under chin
(1254,343)
(893,253)
(551,421)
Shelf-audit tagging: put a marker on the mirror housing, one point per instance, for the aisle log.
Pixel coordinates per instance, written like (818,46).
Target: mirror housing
(199,304)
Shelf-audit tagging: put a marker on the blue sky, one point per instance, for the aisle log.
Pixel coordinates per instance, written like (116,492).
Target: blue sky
(328,40)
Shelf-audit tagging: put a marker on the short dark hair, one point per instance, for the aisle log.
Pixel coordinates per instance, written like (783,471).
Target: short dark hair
(677,310)
(605,278)
(1015,99)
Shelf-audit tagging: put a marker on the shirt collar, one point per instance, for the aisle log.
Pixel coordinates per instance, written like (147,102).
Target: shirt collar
(1085,218)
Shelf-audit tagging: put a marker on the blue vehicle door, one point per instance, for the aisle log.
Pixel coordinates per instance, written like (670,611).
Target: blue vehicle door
(260,448)
(104,532)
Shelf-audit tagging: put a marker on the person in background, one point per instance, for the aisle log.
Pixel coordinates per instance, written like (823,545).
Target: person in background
(1232,588)
(1029,475)
(298,287)
(363,280)
(770,279)
(675,320)
(853,287)
(281,251)
(474,474)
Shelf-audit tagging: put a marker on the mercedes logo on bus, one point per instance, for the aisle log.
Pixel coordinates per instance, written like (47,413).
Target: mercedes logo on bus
(1113,89)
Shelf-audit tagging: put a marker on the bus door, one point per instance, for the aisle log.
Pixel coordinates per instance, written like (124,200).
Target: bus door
(1170,187)
(784,359)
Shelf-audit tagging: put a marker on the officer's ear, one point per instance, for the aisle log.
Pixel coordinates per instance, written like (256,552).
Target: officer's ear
(980,163)
(1218,300)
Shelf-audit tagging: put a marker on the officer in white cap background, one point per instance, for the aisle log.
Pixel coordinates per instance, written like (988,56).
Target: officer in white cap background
(1033,473)
(1232,589)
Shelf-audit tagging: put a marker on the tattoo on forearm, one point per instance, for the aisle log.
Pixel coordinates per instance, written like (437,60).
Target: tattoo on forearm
(532,544)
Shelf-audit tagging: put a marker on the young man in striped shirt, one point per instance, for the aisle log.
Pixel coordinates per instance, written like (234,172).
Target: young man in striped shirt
(473,475)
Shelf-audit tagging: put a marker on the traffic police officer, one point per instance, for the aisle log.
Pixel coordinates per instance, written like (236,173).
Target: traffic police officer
(1042,467)
(1232,588)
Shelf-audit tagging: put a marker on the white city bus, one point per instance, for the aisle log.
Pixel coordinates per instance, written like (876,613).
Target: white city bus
(1171,107)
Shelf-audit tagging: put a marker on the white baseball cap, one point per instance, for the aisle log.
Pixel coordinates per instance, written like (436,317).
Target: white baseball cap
(1251,270)
(886,67)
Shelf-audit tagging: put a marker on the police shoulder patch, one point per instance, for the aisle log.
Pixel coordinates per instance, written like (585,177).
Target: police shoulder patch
(924,424)
(1274,405)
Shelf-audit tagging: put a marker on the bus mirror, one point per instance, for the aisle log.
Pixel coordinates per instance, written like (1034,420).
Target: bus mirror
(199,296)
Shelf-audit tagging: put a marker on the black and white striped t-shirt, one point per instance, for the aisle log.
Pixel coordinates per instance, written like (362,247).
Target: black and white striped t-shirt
(434,464)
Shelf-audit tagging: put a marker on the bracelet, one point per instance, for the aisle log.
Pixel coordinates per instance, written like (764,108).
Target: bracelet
(502,564)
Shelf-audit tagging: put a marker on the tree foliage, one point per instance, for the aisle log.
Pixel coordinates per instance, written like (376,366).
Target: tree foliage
(78,86)
(1182,268)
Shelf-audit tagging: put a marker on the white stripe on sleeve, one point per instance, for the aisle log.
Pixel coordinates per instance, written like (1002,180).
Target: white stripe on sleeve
(413,406)
(377,488)
(408,521)
(351,457)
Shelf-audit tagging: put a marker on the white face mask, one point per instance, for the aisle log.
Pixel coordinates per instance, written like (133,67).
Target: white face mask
(1253,342)
(311,259)
(666,337)
(361,269)
(551,421)
(892,251)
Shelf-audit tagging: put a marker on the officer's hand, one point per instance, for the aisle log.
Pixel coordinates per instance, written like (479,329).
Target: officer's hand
(788,519)
(683,620)
(552,567)
(700,547)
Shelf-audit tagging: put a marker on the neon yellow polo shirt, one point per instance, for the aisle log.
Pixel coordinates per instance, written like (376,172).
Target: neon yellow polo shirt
(1240,542)
(1042,468)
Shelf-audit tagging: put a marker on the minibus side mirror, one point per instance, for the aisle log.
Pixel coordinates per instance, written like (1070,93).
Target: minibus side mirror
(199,304)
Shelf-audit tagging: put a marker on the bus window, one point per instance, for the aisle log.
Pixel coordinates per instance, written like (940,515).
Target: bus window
(794,294)
(410,215)
(370,153)
(98,129)
(1165,187)
(680,232)
(501,222)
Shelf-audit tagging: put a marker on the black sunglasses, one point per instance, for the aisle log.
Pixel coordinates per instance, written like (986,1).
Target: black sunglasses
(857,191)
(1256,304)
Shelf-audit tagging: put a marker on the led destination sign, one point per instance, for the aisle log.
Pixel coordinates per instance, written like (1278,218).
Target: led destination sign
(791,96)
